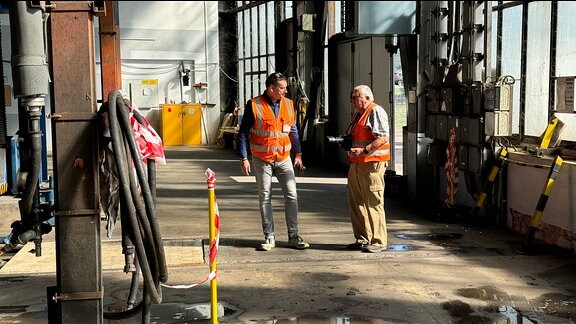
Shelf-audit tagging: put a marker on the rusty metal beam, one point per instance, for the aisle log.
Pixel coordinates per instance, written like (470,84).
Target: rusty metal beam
(75,159)
(110,57)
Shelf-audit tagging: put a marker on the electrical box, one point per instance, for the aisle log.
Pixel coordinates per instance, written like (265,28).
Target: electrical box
(454,123)
(506,97)
(143,93)
(432,104)
(498,110)
(470,130)
(446,100)
(492,98)
(476,99)
(442,127)
(498,123)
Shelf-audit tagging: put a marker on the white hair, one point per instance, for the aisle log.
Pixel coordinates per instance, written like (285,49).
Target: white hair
(365,90)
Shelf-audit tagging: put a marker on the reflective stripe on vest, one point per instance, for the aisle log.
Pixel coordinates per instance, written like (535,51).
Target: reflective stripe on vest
(362,136)
(268,141)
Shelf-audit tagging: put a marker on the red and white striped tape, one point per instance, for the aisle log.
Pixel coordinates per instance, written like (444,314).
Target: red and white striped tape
(211,180)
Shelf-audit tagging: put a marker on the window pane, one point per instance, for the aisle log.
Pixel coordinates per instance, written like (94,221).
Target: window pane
(248,88)
(256,85)
(288,11)
(537,68)
(254,31)
(241,86)
(271,64)
(262,25)
(511,56)
(566,38)
(240,26)
(263,63)
(247,34)
(493,60)
(270,27)
(338,16)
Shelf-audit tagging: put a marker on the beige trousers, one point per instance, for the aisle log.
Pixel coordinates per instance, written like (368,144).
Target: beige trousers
(366,202)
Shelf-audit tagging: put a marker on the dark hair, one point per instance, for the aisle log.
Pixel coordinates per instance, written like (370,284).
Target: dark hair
(275,77)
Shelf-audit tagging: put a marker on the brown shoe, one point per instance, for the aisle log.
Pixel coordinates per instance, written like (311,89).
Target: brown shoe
(374,248)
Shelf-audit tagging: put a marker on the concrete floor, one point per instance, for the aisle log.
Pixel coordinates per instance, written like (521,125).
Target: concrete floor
(434,272)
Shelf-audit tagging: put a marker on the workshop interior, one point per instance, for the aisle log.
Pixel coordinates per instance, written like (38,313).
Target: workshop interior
(479,94)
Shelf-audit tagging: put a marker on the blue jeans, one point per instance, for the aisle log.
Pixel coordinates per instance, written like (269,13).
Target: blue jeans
(284,172)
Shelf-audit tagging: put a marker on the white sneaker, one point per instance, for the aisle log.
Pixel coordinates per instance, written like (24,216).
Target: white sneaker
(268,245)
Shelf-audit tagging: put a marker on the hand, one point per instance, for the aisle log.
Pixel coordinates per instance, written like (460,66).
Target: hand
(245,167)
(357,151)
(298,165)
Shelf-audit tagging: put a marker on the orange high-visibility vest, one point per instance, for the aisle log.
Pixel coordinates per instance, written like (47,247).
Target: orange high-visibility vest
(269,137)
(362,136)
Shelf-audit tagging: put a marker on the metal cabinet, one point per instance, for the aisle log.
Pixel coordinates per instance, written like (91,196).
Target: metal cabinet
(181,124)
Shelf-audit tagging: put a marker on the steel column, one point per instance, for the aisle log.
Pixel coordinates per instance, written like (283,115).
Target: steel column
(79,292)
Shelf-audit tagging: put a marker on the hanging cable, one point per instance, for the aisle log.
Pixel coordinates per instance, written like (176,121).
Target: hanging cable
(138,214)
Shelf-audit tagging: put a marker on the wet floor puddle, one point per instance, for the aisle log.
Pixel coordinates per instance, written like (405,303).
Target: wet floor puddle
(548,308)
(401,247)
(201,313)
(446,240)
(430,236)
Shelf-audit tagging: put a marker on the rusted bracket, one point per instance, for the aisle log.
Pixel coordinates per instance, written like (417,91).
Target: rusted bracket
(73,116)
(78,296)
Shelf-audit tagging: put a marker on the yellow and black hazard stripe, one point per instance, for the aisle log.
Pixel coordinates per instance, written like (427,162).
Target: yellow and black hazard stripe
(549,133)
(491,176)
(3,188)
(537,217)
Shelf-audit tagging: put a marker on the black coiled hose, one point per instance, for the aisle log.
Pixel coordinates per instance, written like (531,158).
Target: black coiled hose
(138,207)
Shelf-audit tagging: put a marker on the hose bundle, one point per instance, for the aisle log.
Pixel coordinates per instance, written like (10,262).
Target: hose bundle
(140,228)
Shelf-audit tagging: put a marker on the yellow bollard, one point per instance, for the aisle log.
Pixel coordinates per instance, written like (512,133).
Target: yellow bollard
(537,217)
(213,225)
(489,182)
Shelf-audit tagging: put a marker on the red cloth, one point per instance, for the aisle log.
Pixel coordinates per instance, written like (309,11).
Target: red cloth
(149,142)
(451,169)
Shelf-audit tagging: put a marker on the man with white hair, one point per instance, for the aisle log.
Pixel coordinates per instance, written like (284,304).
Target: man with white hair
(368,159)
